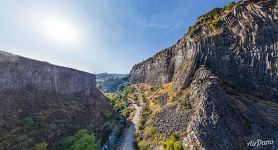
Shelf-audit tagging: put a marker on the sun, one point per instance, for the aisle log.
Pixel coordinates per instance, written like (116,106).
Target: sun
(59,30)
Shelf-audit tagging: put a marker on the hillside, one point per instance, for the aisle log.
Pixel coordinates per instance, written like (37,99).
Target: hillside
(43,103)
(217,86)
(102,76)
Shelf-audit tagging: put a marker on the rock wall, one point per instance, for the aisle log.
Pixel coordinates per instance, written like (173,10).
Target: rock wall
(19,72)
(40,102)
(242,51)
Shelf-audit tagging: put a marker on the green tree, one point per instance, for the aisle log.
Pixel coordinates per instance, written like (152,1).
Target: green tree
(82,140)
(107,128)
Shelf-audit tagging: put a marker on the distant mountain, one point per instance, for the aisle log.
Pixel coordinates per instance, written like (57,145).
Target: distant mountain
(108,75)
(41,102)
(111,82)
(217,87)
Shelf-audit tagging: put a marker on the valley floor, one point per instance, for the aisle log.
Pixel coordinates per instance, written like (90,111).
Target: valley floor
(130,132)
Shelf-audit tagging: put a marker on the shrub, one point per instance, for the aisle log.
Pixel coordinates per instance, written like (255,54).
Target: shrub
(26,121)
(169,145)
(175,136)
(143,145)
(41,146)
(214,24)
(186,94)
(186,106)
(178,146)
(173,143)
(150,132)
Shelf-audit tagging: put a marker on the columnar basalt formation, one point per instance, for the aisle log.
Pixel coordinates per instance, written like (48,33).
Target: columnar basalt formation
(243,51)
(228,62)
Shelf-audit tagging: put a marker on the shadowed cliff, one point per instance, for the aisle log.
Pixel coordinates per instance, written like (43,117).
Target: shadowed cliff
(41,102)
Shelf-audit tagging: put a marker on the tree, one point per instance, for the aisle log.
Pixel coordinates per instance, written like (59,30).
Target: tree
(82,140)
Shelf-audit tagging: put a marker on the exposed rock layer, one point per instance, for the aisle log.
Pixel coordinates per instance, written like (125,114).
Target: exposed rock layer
(231,74)
(18,72)
(243,51)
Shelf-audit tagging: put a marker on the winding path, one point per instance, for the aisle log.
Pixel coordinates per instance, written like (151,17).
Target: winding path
(129,135)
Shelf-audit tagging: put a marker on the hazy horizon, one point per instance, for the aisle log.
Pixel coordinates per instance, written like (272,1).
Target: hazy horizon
(96,36)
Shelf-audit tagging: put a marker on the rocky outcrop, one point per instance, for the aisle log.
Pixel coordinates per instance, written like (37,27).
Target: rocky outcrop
(242,50)
(171,118)
(228,62)
(18,72)
(157,69)
(224,118)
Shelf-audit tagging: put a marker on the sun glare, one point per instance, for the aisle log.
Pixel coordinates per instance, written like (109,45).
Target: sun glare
(59,30)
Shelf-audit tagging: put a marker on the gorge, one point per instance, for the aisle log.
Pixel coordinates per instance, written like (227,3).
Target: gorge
(215,88)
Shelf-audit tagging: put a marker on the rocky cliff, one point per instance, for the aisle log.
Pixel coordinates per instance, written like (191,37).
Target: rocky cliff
(18,72)
(228,62)
(238,44)
(44,103)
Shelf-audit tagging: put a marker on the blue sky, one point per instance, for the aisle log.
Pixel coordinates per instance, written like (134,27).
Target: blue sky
(99,35)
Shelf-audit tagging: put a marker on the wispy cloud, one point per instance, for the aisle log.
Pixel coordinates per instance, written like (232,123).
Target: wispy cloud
(151,25)
(115,34)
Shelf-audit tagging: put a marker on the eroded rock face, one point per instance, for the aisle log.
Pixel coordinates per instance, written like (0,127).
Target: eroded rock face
(18,72)
(243,51)
(40,102)
(171,118)
(223,118)
(231,74)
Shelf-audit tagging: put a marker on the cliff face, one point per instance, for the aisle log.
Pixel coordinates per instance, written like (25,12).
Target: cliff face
(242,51)
(18,72)
(228,63)
(40,102)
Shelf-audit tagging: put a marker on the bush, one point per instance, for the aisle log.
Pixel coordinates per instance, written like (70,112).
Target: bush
(178,146)
(80,141)
(186,106)
(143,145)
(150,132)
(175,136)
(26,121)
(173,143)
(41,146)
(214,24)
(169,145)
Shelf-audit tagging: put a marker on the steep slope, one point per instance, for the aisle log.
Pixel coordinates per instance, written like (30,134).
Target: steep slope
(41,102)
(242,49)
(228,63)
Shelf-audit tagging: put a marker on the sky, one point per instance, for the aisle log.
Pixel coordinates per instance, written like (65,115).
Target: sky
(96,35)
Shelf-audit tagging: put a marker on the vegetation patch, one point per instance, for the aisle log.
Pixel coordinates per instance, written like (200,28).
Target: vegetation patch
(26,121)
(41,146)
(211,19)
(173,143)
(80,141)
